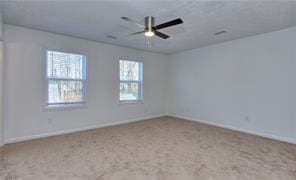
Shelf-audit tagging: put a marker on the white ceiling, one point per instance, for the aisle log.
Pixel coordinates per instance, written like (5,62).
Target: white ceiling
(95,20)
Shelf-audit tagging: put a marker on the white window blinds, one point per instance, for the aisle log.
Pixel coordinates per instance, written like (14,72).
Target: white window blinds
(66,78)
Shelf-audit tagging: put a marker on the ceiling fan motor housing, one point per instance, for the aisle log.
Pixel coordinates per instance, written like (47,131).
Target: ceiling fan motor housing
(149,23)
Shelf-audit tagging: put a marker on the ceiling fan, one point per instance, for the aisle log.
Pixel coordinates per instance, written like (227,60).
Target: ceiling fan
(149,29)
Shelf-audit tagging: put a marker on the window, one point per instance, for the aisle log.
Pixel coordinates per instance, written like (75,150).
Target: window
(65,79)
(130,85)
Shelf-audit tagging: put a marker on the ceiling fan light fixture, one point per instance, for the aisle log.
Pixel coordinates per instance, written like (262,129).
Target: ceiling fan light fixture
(149,33)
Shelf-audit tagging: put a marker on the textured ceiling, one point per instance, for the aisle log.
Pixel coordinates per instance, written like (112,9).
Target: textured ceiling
(97,20)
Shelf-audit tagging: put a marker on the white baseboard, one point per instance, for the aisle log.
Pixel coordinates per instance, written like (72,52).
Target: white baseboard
(265,135)
(68,131)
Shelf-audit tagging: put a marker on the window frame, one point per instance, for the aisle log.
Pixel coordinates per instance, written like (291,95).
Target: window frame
(139,82)
(66,105)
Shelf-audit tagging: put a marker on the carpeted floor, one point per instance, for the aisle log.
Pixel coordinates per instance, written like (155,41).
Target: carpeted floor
(157,149)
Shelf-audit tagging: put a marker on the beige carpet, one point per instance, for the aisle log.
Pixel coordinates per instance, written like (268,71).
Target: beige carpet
(157,149)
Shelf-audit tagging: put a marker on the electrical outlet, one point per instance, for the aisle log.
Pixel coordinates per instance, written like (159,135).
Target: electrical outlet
(247,119)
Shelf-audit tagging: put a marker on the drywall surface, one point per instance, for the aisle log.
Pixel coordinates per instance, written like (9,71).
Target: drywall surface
(246,84)
(25,115)
(1,77)
(1,93)
(1,23)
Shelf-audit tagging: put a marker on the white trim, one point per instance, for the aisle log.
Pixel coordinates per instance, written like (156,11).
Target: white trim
(136,101)
(64,106)
(256,133)
(68,131)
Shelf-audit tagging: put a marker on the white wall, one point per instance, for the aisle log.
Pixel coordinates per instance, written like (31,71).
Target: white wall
(1,78)
(1,93)
(247,84)
(1,23)
(24,70)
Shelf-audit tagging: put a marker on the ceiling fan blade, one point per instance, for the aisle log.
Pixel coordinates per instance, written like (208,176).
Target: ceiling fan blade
(136,33)
(168,24)
(159,34)
(133,21)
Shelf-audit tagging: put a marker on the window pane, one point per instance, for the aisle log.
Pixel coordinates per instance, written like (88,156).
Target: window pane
(65,65)
(129,91)
(129,70)
(65,91)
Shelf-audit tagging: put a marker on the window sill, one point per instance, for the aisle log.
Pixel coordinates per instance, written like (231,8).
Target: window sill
(65,107)
(131,102)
